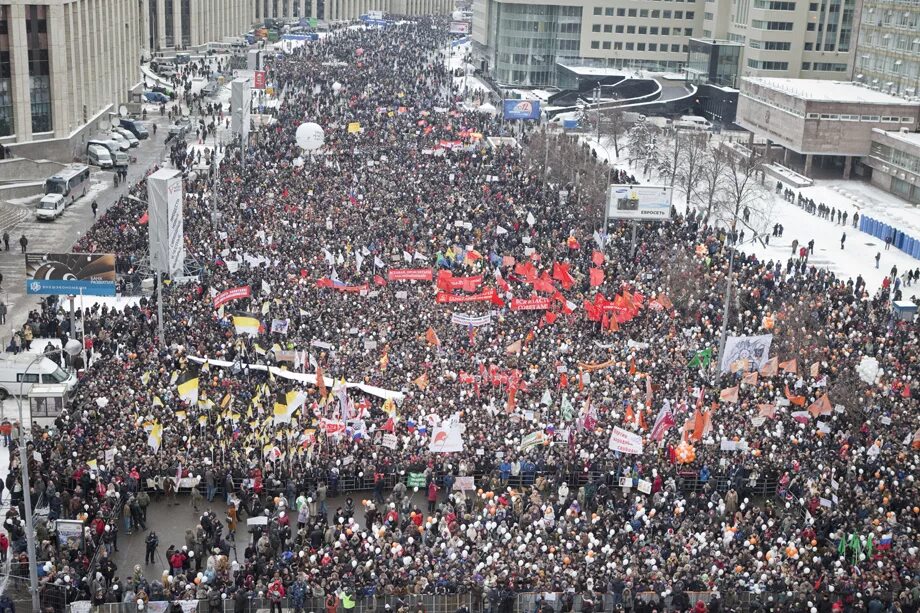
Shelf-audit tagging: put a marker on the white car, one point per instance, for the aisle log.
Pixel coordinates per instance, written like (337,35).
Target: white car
(132,140)
(50,207)
(122,142)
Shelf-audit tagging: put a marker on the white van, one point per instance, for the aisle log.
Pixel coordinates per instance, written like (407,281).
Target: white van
(13,374)
(119,157)
(692,122)
(50,207)
(99,155)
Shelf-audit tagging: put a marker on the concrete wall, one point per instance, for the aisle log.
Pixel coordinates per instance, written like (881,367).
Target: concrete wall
(64,150)
(21,169)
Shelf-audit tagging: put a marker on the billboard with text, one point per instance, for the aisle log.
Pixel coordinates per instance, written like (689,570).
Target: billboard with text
(90,274)
(639,202)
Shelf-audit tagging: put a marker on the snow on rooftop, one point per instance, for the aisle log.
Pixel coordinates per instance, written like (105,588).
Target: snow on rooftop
(827,91)
(911,138)
(594,71)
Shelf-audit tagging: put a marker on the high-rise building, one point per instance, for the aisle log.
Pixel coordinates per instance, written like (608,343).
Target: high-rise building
(522,41)
(888,47)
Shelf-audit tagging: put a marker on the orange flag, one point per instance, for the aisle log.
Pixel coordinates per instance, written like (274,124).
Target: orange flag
(648,390)
(642,425)
(512,393)
(729,394)
(422,381)
(432,337)
(789,366)
(771,368)
(321,381)
(630,416)
(614,326)
(632,366)
(815,370)
(513,348)
(798,401)
(766,410)
(739,365)
(664,301)
(750,378)
(821,406)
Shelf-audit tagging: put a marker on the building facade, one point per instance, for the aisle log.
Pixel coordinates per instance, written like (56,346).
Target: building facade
(812,118)
(888,49)
(814,39)
(895,161)
(522,41)
(182,24)
(335,10)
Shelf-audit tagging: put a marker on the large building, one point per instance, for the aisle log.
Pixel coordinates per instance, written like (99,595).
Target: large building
(182,24)
(829,123)
(812,39)
(888,48)
(522,41)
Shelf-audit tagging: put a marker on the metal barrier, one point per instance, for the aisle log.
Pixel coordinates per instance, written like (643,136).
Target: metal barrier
(472,602)
(16,588)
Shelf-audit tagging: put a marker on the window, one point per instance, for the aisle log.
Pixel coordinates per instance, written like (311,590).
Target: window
(643,30)
(688,32)
(632,12)
(813,116)
(643,13)
(689,15)
(666,14)
(765,65)
(595,44)
(598,10)
(596,27)
(653,30)
(656,14)
(759,24)
(829,67)
(608,29)
(608,12)
(907,120)
(813,6)
(675,48)
(617,46)
(708,16)
(6,96)
(39,67)
(653,46)
(621,12)
(629,46)
(806,65)
(665,31)
(678,14)
(630,29)
(32,377)
(889,119)
(640,46)
(811,27)
(809,46)
(619,29)
(605,45)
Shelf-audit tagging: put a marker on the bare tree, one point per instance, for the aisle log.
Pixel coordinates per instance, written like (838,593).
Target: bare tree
(613,124)
(643,138)
(743,193)
(692,157)
(708,190)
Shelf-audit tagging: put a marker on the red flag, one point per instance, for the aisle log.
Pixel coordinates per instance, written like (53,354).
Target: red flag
(544,284)
(144,218)
(390,426)
(561,274)
(379,280)
(598,258)
(526,270)
(597,276)
(502,284)
(550,317)
(905,393)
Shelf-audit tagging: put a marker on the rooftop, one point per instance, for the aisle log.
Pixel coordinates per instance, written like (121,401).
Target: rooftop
(594,71)
(827,91)
(910,138)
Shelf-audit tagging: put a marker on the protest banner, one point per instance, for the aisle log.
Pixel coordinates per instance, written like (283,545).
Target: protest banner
(624,441)
(445,298)
(409,274)
(531,304)
(231,294)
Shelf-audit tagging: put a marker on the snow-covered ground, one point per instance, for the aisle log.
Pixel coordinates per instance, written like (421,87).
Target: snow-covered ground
(858,255)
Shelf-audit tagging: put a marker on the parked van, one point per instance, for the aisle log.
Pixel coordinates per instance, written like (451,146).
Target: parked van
(692,122)
(120,140)
(98,155)
(135,127)
(13,374)
(127,135)
(119,157)
(50,207)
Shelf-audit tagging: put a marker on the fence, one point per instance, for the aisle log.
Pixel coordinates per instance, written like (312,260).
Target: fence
(16,588)
(473,602)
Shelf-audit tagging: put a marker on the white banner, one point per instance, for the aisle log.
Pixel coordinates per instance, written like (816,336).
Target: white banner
(462,319)
(165,224)
(625,442)
(755,349)
(446,439)
(389,441)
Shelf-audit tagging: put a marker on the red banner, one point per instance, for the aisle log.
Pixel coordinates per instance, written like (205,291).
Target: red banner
(445,298)
(231,294)
(258,79)
(327,283)
(530,304)
(409,274)
(447,282)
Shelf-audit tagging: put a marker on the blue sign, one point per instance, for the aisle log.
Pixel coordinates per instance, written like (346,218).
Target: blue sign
(70,287)
(521,109)
(569,124)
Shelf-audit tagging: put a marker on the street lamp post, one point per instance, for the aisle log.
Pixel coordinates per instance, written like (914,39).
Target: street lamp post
(72,348)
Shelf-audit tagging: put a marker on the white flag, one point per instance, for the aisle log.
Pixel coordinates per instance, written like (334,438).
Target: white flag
(531,220)
(340,260)
(500,230)
(365,251)
(407,257)
(328,257)
(266,288)
(378,262)
(359,260)
(419,256)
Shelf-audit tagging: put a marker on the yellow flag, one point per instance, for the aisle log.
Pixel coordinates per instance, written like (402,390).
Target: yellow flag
(354,127)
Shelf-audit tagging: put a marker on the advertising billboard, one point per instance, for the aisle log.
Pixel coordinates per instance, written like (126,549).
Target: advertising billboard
(521,109)
(459,27)
(90,274)
(258,79)
(639,202)
(166,229)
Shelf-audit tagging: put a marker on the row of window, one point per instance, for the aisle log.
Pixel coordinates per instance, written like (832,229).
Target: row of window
(652,30)
(774,5)
(824,66)
(769,45)
(759,24)
(628,46)
(767,65)
(866,118)
(647,13)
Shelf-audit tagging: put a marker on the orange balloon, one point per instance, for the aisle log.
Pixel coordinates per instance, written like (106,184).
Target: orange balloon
(566,560)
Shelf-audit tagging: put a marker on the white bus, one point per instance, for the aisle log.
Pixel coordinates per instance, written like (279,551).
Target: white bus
(71,183)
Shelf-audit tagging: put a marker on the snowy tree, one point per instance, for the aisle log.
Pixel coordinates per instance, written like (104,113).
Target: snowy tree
(707,192)
(692,157)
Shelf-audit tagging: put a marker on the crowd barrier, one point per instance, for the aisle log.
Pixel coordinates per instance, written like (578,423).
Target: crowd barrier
(881,230)
(471,602)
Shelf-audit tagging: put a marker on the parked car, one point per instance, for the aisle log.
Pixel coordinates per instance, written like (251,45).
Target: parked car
(156,97)
(120,140)
(135,127)
(126,134)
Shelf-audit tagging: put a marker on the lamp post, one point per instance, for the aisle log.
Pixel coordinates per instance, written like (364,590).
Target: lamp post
(72,348)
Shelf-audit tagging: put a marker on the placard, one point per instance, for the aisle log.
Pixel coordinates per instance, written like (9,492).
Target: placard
(389,441)
(465,483)
(645,486)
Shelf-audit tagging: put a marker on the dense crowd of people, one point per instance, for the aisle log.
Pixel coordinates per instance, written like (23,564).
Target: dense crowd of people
(535,336)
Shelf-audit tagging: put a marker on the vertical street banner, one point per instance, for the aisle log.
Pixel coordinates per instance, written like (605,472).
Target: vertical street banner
(258,79)
(166,225)
(70,274)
